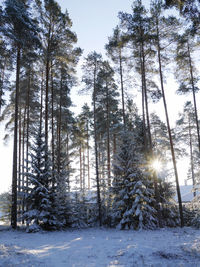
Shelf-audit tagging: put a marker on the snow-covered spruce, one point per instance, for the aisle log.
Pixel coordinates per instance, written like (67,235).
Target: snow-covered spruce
(133,194)
(39,198)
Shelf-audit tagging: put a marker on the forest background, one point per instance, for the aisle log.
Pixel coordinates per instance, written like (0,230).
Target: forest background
(131,161)
(93,32)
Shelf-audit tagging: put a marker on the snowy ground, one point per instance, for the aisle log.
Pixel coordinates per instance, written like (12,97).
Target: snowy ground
(100,247)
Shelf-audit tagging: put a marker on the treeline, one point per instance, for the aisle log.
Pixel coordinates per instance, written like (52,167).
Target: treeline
(97,167)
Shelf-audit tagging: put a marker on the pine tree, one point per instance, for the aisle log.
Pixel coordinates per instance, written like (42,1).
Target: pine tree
(186,73)
(115,49)
(107,109)
(188,9)
(91,69)
(5,67)
(50,19)
(21,30)
(79,145)
(137,34)
(59,58)
(160,140)
(161,33)
(137,27)
(186,134)
(5,63)
(86,117)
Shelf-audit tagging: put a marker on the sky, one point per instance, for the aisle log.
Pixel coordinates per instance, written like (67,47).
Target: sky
(93,22)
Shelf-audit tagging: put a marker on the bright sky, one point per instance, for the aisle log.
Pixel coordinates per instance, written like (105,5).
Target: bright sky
(93,21)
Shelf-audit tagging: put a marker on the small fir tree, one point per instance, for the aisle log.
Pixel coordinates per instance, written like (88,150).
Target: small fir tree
(60,190)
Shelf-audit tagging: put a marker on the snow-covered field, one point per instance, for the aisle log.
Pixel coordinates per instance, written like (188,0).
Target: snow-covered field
(100,247)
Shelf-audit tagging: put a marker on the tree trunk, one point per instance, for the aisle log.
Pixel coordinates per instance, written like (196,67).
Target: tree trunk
(27,129)
(143,107)
(19,150)
(150,148)
(47,89)
(2,82)
(80,171)
(68,165)
(191,158)
(41,100)
(96,150)
(194,96)
(108,136)
(59,127)
(14,171)
(88,156)
(122,86)
(145,95)
(114,144)
(23,158)
(83,168)
(52,128)
(169,129)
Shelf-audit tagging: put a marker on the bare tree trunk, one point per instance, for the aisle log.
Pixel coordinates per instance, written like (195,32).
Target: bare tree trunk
(80,171)
(150,148)
(59,128)
(19,158)
(114,144)
(52,128)
(191,158)
(19,150)
(194,95)
(23,158)
(108,137)
(46,103)
(27,128)
(68,166)
(41,100)
(2,82)
(83,168)
(88,156)
(145,95)
(96,149)
(14,173)
(47,86)
(169,129)
(143,107)
(122,86)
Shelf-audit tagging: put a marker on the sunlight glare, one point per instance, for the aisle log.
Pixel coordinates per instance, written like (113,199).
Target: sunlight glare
(157,166)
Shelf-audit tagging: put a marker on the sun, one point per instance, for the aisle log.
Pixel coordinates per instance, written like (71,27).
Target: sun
(156,165)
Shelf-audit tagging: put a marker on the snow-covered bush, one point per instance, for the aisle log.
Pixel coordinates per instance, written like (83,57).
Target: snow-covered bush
(196,221)
(191,214)
(5,206)
(79,210)
(170,215)
(168,207)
